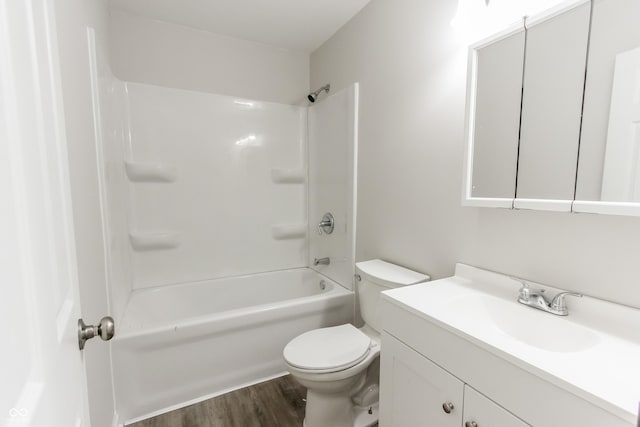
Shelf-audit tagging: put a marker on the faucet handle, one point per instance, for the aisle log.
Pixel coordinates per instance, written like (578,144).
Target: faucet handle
(558,304)
(525,291)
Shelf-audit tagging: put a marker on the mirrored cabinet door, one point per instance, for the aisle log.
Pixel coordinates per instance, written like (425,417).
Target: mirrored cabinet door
(555,61)
(497,116)
(494,94)
(609,166)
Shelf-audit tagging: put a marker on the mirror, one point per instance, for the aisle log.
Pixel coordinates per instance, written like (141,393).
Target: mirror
(524,108)
(609,163)
(553,87)
(495,113)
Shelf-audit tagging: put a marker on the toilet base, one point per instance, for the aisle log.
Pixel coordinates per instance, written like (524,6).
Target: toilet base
(365,416)
(323,410)
(360,416)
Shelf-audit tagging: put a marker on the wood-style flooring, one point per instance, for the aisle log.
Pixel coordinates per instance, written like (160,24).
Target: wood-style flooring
(275,403)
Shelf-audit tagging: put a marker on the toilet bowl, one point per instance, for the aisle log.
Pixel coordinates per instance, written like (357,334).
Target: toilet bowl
(334,363)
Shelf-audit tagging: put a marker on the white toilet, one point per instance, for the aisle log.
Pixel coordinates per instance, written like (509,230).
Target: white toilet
(335,363)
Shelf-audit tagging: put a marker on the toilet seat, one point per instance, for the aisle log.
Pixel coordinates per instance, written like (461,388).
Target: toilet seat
(328,349)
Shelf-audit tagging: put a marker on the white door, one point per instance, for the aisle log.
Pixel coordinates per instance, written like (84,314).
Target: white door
(43,380)
(621,174)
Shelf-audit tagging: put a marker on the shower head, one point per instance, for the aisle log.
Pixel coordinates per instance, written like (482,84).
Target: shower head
(314,95)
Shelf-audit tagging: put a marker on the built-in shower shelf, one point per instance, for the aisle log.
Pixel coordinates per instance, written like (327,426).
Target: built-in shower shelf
(150,172)
(289,176)
(153,241)
(289,231)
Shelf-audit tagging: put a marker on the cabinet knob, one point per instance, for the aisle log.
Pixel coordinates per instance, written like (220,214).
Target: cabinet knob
(471,424)
(447,407)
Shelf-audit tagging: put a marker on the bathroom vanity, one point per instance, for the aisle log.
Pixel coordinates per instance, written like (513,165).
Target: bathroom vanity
(462,351)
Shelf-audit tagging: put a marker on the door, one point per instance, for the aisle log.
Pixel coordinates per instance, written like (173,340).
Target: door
(621,177)
(415,391)
(43,377)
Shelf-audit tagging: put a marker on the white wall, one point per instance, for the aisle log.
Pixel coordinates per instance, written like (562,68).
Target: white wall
(73,16)
(155,52)
(225,212)
(411,68)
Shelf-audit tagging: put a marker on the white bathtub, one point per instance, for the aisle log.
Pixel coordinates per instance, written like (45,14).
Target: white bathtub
(178,344)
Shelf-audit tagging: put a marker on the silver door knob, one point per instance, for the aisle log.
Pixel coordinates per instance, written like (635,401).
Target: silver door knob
(106,329)
(447,407)
(471,424)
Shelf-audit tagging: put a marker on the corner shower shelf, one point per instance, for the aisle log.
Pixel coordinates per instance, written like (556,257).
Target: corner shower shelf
(289,231)
(150,172)
(152,241)
(288,176)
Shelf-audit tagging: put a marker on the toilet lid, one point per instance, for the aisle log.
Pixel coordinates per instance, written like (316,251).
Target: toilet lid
(335,348)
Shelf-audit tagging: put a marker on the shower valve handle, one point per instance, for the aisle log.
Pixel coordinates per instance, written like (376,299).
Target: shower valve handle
(326,225)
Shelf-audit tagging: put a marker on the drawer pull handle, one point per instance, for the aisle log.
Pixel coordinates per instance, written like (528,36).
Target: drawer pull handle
(447,407)
(471,424)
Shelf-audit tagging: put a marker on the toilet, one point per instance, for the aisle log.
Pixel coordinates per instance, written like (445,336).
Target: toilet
(339,365)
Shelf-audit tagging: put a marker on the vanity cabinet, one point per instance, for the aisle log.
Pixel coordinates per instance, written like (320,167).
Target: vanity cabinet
(426,363)
(416,391)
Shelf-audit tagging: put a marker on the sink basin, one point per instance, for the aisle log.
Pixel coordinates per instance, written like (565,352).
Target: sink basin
(525,324)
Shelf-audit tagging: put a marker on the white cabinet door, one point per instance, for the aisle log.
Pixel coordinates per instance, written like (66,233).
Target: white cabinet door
(479,411)
(413,389)
(43,377)
(496,116)
(556,52)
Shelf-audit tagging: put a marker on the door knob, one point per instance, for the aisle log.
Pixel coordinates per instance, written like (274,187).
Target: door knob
(471,424)
(106,330)
(447,407)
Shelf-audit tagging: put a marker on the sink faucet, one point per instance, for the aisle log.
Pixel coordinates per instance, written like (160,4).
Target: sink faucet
(535,298)
(321,261)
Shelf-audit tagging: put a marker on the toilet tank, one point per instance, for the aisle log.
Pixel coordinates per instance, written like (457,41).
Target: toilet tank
(377,276)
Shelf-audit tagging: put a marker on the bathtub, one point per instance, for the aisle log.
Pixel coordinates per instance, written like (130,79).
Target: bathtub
(179,344)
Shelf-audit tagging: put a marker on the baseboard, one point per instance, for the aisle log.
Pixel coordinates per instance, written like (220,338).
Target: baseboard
(198,399)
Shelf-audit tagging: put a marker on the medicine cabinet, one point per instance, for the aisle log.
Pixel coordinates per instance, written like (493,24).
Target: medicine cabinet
(553,112)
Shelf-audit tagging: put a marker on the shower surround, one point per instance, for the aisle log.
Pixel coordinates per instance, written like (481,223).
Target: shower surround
(211,204)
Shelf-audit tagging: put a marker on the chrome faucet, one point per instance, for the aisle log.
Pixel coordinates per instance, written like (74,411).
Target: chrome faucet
(321,261)
(535,298)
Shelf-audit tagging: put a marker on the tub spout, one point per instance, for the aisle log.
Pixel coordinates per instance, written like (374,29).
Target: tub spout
(321,261)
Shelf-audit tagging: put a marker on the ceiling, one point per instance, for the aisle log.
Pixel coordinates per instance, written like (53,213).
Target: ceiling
(301,25)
